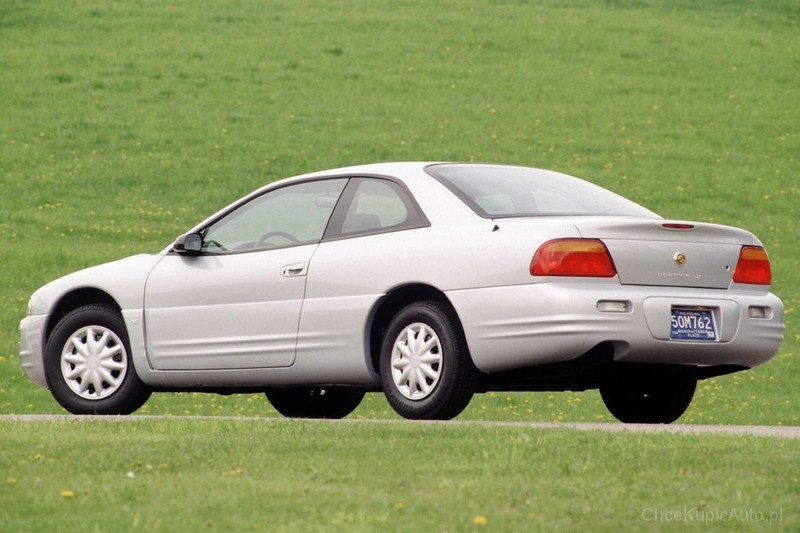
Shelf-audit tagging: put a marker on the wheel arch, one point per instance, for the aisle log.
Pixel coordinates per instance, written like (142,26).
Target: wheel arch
(388,306)
(75,299)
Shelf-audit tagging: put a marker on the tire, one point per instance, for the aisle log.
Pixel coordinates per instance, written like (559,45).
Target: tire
(88,365)
(425,367)
(652,396)
(315,402)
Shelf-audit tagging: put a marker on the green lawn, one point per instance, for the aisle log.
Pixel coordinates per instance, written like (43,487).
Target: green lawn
(123,123)
(291,475)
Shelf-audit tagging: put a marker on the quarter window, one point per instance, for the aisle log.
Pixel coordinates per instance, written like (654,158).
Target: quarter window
(376,206)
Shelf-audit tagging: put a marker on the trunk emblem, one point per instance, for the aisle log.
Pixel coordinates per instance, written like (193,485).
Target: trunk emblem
(679,258)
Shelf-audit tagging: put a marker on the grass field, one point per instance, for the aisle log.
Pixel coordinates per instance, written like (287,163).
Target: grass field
(123,123)
(290,475)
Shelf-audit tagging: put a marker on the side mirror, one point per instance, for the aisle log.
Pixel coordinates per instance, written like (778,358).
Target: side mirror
(189,244)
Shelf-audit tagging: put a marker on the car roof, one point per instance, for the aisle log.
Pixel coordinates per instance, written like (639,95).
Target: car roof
(405,170)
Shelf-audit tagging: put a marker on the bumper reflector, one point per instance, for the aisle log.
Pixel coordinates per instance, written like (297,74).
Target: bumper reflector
(759,312)
(614,306)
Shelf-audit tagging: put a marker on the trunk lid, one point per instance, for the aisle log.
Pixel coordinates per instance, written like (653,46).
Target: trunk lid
(669,253)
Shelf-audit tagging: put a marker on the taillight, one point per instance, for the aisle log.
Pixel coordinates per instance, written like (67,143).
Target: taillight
(753,267)
(573,257)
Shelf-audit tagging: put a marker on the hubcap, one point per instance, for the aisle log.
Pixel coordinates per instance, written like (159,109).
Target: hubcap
(94,362)
(416,361)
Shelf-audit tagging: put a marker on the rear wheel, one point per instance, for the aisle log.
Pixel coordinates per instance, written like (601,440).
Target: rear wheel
(88,364)
(649,396)
(425,367)
(315,402)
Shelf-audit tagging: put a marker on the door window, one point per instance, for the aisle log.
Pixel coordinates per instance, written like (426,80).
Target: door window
(291,215)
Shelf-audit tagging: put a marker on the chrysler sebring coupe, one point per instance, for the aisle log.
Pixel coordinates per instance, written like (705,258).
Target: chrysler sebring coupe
(427,281)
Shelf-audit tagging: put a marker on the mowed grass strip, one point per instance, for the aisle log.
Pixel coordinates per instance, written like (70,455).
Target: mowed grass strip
(125,124)
(291,475)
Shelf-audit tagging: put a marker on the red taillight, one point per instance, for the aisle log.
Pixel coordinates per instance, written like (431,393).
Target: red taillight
(573,257)
(753,267)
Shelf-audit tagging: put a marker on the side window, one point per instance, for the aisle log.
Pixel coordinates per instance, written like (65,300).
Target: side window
(295,214)
(376,206)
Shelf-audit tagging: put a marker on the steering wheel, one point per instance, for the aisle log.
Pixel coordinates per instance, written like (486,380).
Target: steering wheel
(282,234)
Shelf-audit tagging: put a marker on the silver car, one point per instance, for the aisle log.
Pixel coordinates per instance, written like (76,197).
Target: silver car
(427,281)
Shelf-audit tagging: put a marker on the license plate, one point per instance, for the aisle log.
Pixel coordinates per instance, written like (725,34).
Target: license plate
(693,325)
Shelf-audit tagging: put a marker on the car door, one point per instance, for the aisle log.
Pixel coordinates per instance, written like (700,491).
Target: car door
(236,303)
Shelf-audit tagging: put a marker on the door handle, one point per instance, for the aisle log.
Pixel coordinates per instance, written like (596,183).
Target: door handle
(295,269)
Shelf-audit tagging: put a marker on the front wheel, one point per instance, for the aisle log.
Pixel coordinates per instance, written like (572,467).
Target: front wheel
(425,367)
(88,365)
(649,396)
(315,402)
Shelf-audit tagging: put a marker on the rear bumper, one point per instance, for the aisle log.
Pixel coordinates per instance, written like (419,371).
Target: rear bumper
(528,325)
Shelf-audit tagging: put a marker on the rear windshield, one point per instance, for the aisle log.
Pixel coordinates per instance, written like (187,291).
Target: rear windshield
(498,191)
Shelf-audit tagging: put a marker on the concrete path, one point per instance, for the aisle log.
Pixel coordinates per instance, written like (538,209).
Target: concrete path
(789,432)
